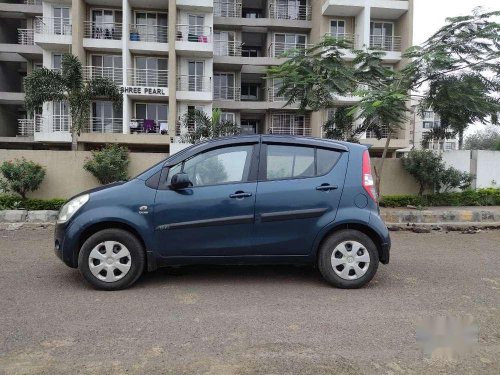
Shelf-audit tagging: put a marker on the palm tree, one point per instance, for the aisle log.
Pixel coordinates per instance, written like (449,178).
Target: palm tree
(201,126)
(68,84)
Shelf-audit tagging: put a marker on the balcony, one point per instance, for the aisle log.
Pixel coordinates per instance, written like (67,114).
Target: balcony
(194,40)
(138,126)
(148,77)
(55,128)
(278,49)
(290,123)
(114,74)
(227,93)
(194,88)
(102,30)
(104,125)
(25,37)
(224,8)
(385,43)
(13,9)
(26,127)
(151,39)
(290,11)
(227,48)
(52,33)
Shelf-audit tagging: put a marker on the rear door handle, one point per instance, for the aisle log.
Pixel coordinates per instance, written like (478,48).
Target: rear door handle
(240,194)
(327,187)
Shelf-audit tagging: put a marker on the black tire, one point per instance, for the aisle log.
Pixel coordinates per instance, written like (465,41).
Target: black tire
(325,258)
(137,258)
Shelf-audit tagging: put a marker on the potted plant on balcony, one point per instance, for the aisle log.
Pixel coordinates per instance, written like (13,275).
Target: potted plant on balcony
(69,84)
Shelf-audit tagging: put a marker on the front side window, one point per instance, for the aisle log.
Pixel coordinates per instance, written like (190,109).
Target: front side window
(214,167)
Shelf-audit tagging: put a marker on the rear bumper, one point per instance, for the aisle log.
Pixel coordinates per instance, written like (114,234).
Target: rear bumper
(385,239)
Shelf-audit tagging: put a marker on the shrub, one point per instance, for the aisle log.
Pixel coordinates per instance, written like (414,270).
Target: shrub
(481,197)
(12,202)
(22,176)
(428,168)
(108,164)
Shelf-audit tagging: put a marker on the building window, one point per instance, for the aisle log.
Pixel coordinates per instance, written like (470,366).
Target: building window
(150,27)
(151,72)
(228,117)
(62,21)
(286,42)
(106,24)
(289,123)
(250,91)
(224,86)
(150,117)
(56,61)
(107,66)
(337,28)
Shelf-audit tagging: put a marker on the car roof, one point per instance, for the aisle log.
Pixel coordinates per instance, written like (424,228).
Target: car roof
(255,138)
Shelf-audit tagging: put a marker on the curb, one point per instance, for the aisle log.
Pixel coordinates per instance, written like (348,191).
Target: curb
(468,227)
(28,216)
(445,216)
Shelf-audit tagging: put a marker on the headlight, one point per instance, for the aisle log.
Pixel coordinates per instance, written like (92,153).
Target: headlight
(71,207)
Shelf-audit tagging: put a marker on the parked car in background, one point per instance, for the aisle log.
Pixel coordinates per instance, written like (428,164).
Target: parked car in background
(248,199)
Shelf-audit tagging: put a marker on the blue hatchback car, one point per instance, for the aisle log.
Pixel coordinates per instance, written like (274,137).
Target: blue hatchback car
(239,200)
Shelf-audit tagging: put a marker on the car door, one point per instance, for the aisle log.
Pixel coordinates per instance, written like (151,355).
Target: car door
(214,216)
(298,193)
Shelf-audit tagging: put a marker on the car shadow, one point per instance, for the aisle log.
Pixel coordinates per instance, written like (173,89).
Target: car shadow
(229,274)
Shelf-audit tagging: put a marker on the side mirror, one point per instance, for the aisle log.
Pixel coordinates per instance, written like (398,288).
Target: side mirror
(180,181)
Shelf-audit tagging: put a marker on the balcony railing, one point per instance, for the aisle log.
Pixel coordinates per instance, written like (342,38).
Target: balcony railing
(149,33)
(26,127)
(290,11)
(114,74)
(194,83)
(277,49)
(351,38)
(290,124)
(33,2)
(227,48)
(51,25)
(159,127)
(227,93)
(223,8)
(53,124)
(385,43)
(102,30)
(104,125)
(272,95)
(25,36)
(194,33)
(148,77)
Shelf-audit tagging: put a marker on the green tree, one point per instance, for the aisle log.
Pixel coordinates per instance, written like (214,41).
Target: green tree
(486,139)
(45,85)
(202,126)
(463,52)
(341,126)
(22,176)
(109,164)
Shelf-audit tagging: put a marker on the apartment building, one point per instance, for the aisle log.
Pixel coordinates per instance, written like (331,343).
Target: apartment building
(422,123)
(174,56)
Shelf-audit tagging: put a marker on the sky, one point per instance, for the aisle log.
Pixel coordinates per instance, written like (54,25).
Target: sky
(430,15)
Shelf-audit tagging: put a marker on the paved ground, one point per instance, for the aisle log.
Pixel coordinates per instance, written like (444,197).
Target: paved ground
(248,320)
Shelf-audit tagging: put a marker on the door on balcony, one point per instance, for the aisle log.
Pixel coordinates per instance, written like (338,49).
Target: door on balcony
(62,22)
(195,30)
(106,24)
(107,66)
(285,42)
(249,126)
(382,35)
(155,113)
(224,43)
(291,9)
(151,26)
(105,118)
(151,72)
(195,75)
(224,86)
(60,116)
(289,123)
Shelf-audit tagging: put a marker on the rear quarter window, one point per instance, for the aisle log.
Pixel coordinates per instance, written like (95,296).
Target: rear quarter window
(325,160)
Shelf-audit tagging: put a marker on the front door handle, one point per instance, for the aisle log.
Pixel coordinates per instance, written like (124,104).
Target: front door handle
(240,194)
(327,187)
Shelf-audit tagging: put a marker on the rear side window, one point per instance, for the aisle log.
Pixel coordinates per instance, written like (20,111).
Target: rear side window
(325,160)
(298,162)
(288,161)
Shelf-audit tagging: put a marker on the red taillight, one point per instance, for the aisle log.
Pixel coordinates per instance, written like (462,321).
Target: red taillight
(367,178)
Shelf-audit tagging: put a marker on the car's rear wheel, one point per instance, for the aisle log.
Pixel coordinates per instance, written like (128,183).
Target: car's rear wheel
(111,259)
(348,259)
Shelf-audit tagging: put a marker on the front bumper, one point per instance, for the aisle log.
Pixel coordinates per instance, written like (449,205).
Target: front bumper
(64,243)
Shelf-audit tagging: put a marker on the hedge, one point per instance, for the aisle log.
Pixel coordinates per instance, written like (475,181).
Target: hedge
(481,197)
(12,202)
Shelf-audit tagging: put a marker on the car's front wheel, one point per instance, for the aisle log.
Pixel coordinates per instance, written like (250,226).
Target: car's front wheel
(111,259)
(348,259)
